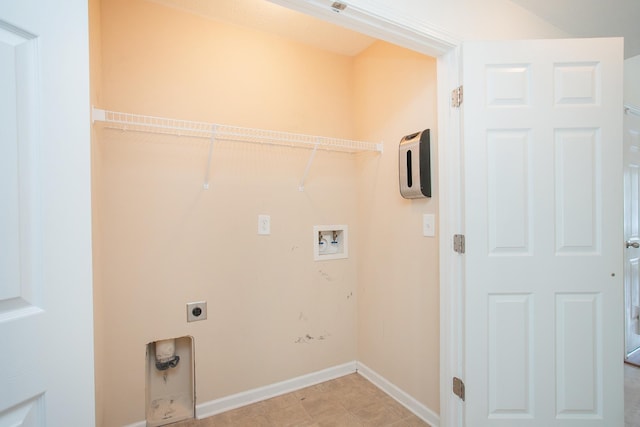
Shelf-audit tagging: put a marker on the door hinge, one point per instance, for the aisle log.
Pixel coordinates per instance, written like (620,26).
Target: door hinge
(458,243)
(458,388)
(456,97)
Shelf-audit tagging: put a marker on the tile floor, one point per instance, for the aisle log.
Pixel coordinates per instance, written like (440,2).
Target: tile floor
(631,396)
(349,401)
(352,401)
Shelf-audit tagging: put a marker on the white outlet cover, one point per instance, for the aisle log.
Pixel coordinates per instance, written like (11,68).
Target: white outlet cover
(264,225)
(429,225)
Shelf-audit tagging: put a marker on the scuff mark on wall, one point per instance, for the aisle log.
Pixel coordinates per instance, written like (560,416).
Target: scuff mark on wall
(325,276)
(349,295)
(306,339)
(164,408)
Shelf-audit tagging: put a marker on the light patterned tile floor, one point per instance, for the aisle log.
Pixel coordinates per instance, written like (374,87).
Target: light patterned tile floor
(352,401)
(631,396)
(349,401)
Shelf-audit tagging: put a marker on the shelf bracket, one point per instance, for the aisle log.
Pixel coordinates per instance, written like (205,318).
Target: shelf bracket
(208,170)
(306,171)
(97,114)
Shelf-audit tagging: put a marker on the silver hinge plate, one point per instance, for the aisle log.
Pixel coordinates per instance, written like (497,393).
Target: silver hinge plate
(456,97)
(458,243)
(458,388)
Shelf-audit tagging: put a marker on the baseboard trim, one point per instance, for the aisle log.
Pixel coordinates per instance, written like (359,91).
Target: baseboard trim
(420,410)
(227,403)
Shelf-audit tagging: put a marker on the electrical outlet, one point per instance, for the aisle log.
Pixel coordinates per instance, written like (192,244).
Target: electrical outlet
(264,225)
(429,225)
(196,311)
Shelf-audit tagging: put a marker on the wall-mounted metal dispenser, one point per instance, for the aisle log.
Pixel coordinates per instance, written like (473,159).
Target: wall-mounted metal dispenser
(414,161)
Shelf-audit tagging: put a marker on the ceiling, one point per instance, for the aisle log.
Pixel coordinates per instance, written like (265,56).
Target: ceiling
(268,17)
(578,18)
(592,18)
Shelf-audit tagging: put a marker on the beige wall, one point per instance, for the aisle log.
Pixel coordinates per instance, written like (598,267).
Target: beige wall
(160,61)
(398,286)
(163,241)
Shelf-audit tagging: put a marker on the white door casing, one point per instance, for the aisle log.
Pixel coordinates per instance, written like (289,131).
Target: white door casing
(632,228)
(543,224)
(46,356)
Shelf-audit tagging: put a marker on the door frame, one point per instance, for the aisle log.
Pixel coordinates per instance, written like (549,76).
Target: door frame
(634,110)
(387,25)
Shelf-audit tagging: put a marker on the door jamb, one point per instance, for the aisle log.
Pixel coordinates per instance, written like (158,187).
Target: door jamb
(451,179)
(397,28)
(629,109)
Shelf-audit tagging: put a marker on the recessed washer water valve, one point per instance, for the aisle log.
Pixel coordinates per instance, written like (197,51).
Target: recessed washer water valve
(322,242)
(330,242)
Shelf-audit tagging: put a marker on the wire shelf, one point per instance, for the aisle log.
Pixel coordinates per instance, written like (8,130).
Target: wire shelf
(167,126)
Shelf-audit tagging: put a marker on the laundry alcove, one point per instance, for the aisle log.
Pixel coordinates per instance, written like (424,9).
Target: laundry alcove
(162,240)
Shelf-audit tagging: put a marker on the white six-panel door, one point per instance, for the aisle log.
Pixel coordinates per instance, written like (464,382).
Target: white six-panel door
(46,305)
(543,225)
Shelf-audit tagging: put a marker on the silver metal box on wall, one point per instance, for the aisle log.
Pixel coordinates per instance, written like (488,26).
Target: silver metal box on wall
(414,162)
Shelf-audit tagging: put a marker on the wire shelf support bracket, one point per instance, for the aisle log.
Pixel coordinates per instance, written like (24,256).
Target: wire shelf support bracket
(306,170)
(208,170)
(217,132)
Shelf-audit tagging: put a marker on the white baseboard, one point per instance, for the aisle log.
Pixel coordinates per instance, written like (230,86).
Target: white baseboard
(227,403)
(234,401)
(420,410)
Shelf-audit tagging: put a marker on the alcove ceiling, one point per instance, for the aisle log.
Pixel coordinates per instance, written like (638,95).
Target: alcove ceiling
(578,18)
(265,16)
